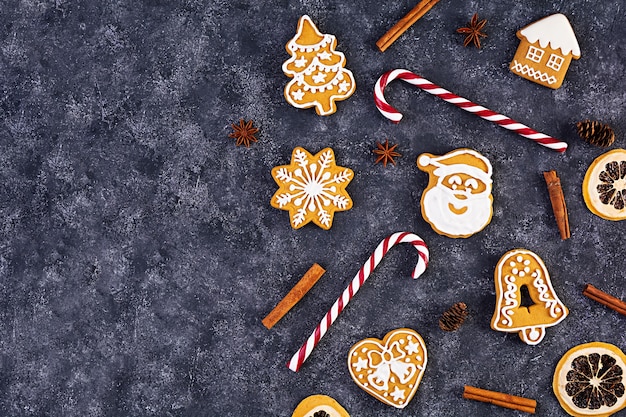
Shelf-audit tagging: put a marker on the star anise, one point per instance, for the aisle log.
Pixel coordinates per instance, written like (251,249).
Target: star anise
(385,152)
(244,133)
(473,31)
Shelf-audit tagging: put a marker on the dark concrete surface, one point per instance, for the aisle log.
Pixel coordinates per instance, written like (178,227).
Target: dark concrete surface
(139,251)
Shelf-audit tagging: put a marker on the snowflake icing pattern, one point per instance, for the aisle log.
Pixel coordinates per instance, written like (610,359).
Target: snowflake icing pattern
(312,188)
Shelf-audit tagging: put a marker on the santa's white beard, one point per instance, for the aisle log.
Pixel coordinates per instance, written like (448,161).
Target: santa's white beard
(436,211)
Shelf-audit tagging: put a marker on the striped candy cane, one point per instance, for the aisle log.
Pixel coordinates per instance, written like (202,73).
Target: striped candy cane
(499,119)
(401,237)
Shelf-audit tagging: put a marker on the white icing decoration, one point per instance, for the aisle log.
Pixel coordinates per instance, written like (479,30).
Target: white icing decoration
(510,300)
(554,30)
(475,210)
(533,73)
(545,290)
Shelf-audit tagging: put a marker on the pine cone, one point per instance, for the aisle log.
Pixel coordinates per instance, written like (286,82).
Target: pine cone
(596,133)
(453,318)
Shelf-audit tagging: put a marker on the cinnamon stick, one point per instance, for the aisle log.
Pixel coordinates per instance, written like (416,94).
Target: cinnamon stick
(605,299)
(558,203)
(403,24)
(500,399)
(295,294)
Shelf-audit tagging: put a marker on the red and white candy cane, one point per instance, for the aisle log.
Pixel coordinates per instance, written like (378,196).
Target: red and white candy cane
(499,119)
(401,237)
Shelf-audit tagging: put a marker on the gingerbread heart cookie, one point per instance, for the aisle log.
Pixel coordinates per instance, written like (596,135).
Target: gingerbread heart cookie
(391,369)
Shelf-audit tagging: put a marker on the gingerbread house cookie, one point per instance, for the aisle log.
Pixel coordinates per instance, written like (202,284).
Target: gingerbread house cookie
(545,51)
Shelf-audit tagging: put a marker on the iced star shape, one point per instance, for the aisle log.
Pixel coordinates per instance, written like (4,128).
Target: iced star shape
(397,394)
(312,188)
(324,55)
(320,77)
(412,347)
(344,86)
(298,95)
(360,364)
(301,62)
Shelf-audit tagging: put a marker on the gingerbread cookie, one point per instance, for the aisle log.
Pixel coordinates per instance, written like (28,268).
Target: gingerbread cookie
(319,76)
(457,201)
(545,51)
(319,406)
(604,186)
(589,380)
(312,188)
(521,274)
(390,369)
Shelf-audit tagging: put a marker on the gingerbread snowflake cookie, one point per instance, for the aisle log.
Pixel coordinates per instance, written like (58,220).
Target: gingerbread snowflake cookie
(317,69)
(312,188)
(457,201)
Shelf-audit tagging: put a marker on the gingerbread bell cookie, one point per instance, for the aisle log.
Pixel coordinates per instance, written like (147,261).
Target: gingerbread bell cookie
(526,302)
(546,49)
(604,186)
(317,69)
(590,380)
(319,406)
(457,201)
(312,188)
(390,369)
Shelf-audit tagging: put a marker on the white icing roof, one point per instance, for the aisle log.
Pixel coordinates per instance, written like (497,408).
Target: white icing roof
(554,30)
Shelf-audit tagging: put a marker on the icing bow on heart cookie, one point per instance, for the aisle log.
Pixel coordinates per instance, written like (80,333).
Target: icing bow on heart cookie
(385,363)
(390,369)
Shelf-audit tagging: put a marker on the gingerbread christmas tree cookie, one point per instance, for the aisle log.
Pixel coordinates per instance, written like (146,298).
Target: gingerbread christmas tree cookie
(317,69)
(312,188)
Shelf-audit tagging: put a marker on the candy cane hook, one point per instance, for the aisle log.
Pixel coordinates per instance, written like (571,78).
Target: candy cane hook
(395,116)
(401,237)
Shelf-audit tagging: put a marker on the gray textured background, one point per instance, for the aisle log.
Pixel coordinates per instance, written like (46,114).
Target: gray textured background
(139,251)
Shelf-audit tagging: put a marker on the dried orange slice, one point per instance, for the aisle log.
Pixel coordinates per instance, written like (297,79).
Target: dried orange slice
(604,187)
(589,380)
(319,406)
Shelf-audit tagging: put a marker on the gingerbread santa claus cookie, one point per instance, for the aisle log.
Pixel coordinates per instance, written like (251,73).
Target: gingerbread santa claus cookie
(317,70)
(457,201)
